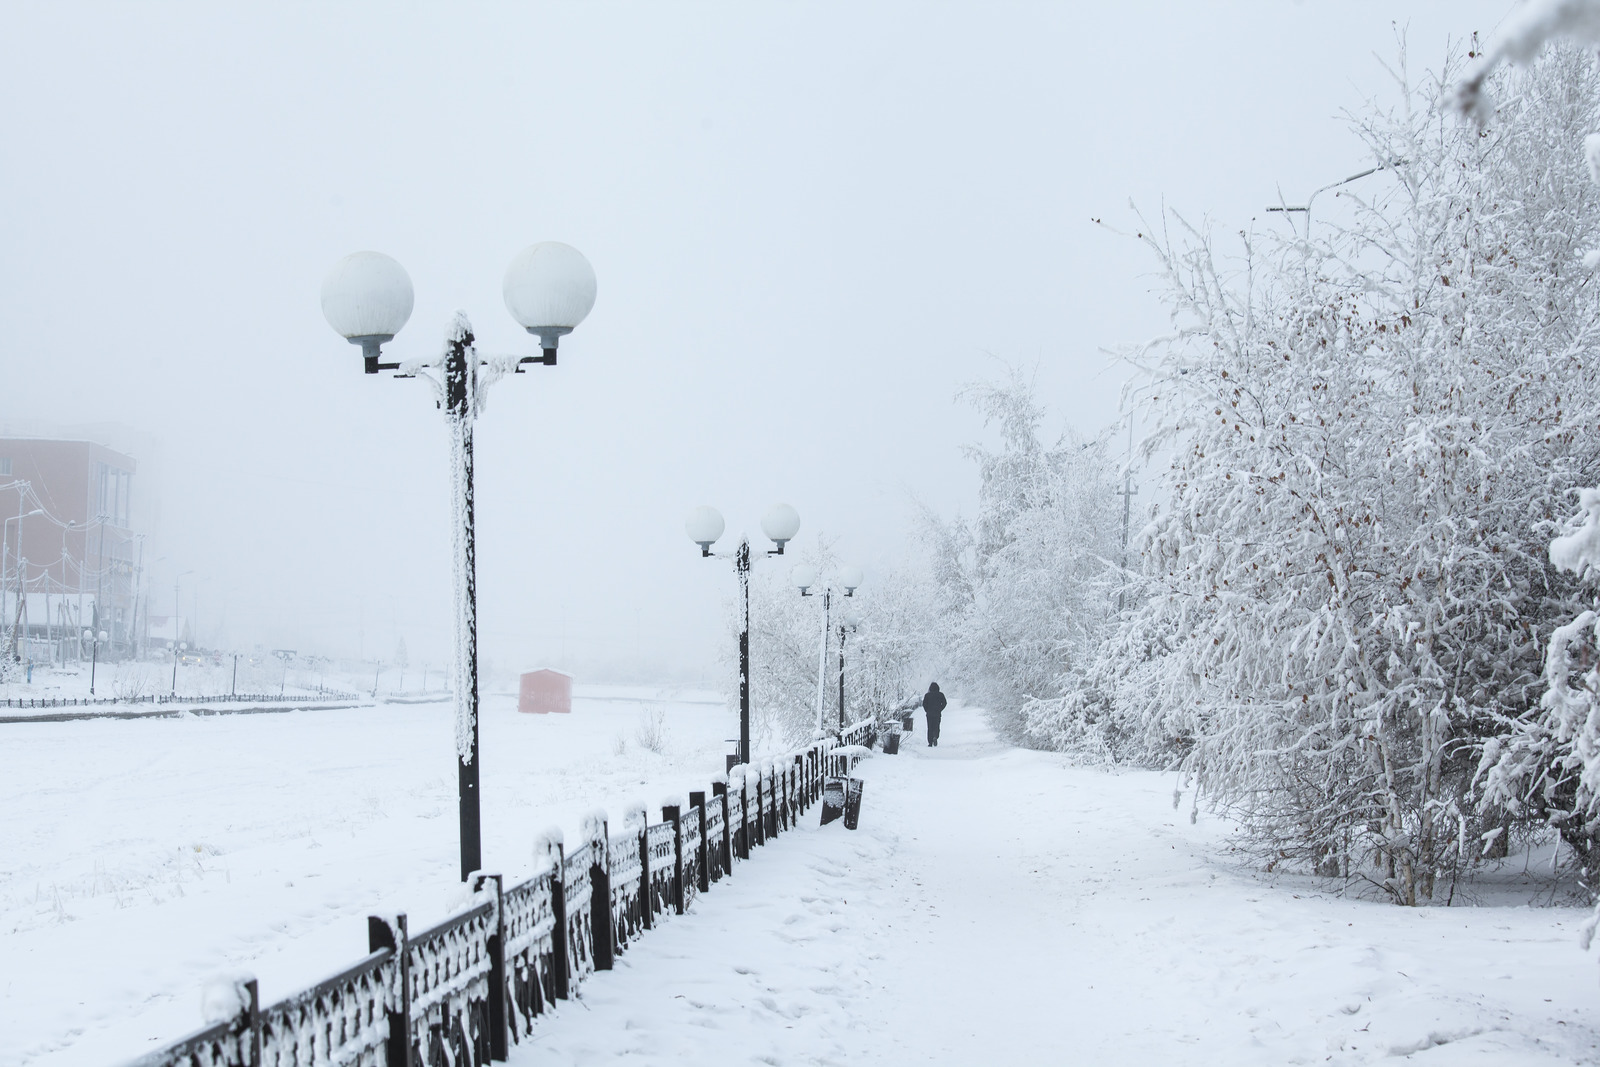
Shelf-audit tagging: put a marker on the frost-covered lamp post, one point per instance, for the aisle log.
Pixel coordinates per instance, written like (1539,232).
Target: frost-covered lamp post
(704,526)
(848,624)
(549,289)
(177,650)
(849,578)
(94,640)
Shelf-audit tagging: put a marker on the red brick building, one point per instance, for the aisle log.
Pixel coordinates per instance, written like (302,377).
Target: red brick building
(67,537)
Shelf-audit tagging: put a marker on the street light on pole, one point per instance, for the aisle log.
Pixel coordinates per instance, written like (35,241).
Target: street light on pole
(849,623)
(94,640)
(367,297)
(849,579)
(704,526)
(178,648)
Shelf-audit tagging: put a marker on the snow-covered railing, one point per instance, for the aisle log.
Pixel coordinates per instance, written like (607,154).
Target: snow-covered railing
(226,698)
(861,733)
(465,990)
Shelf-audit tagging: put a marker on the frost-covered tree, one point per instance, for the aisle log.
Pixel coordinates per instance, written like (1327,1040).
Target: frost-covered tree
(1372,426)
(1026,589)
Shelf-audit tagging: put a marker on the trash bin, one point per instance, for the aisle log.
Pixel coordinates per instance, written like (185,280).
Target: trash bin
(833,799)
(905,722)
(891,740)
(852,802)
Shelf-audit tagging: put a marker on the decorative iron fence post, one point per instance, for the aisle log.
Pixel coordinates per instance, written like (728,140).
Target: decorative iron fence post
(605,932)
(761,810)
(770,829)
(719,793)
(697,801)
(499,1040)
(382,934)
(673,814)
(648,905)
(560,962)
(741,836)
(253,1020)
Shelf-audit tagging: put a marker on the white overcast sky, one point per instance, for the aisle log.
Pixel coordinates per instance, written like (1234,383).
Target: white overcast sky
(811,223)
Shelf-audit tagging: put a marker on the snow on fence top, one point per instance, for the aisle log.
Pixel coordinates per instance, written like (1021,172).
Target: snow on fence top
(465,990)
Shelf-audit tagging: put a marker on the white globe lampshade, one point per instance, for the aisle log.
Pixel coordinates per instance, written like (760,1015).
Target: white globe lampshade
(852,618)
(367,294)
(87,636)
(850,576)
(104,636)
(780,523)
(549,286)
(803,575)
(704,525)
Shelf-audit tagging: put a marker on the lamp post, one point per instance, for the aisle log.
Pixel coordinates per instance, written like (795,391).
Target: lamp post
(178,648)
(94,640)
(849,623)
(549,288)
(849,578)
(704,526)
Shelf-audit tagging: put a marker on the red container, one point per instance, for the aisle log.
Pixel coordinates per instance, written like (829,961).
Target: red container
(543,691)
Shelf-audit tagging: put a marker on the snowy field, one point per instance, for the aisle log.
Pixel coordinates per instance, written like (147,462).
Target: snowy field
(138,858)
(996,905)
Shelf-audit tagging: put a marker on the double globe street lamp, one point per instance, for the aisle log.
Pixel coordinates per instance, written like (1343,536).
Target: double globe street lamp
(849,579)
(549,288)
(704,526)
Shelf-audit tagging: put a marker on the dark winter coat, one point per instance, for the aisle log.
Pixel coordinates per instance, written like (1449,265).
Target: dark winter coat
(934,702)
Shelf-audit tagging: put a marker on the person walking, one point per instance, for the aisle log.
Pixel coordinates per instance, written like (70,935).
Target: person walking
(933,707)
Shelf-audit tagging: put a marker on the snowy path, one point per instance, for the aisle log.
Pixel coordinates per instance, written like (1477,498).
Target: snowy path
(998,906)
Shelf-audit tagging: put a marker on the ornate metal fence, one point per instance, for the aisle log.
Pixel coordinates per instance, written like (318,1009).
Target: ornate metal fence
(462,992)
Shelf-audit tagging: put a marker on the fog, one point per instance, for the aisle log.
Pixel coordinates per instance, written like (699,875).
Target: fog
(811,225)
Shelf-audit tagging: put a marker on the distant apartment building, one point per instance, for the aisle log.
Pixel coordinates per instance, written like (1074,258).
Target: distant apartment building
(67,544)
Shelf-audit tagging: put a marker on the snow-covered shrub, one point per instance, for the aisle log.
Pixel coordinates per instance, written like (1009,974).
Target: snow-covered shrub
(651,733)
(1371,429)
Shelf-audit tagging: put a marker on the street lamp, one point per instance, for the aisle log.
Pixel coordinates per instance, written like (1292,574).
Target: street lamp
(94,653)
(178,648)
(549,288)
(849,623)
(849,579)
(704,526)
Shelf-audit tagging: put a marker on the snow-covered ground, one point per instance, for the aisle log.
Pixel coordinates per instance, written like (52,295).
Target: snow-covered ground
(1001,907)
(997,906)
(140,858)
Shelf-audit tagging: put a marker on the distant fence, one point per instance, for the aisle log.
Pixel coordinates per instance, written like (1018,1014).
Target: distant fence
(227,698)
(462,992)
